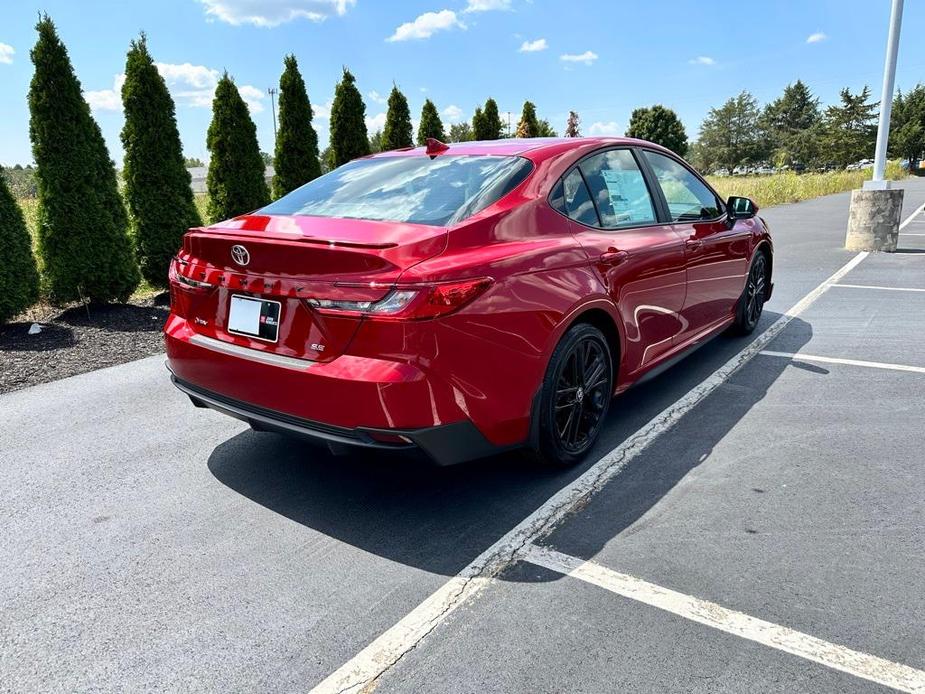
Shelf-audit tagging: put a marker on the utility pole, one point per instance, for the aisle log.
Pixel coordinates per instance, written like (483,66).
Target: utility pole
(272,92)
(873,218)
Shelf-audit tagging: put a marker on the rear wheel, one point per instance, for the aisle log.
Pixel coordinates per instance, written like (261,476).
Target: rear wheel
(574,397)
(751,303)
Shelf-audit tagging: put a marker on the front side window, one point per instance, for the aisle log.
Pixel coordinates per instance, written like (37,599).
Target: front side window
(414,189)
(688,199)
(619,189)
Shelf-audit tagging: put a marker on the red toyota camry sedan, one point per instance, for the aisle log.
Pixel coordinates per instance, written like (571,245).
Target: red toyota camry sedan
(464,299)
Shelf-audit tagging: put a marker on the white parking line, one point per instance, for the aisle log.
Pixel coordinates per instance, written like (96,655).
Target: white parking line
(369,664)
(872,286)
(799,356)
(863,665)
(912,217)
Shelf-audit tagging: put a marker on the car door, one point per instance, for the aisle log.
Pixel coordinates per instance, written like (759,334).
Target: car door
(639,261)
(716,255)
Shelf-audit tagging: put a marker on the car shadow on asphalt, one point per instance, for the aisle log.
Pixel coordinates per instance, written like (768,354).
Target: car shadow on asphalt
(440,519)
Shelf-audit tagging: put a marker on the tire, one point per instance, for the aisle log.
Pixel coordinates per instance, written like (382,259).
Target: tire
(574,397)
(751,303)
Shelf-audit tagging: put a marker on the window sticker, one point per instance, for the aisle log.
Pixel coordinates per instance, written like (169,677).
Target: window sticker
(628,195)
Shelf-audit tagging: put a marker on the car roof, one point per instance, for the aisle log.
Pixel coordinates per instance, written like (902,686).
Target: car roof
(535,148)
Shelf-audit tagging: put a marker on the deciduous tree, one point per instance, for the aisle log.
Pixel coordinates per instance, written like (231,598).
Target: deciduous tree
(236,181)
(296,156)
(461,132)
(659,125)
(572,126)
(82,224)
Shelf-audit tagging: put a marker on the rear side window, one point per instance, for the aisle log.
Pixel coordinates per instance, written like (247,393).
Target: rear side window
(415,189)
(619,189)
(577,199)
(688,198)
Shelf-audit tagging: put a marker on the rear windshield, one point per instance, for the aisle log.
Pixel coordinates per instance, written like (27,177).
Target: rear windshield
(415,189)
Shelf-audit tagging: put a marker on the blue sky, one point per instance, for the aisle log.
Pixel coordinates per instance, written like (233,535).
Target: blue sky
(602,58)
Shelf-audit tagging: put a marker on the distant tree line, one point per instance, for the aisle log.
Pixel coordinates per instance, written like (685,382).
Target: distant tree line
(795,131)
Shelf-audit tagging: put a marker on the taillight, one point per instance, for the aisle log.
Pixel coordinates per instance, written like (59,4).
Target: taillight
(409,302)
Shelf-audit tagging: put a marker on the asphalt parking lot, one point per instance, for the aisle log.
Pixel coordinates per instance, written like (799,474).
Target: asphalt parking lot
(751,520)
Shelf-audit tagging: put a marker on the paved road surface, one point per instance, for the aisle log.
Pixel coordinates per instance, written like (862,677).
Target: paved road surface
(151,546)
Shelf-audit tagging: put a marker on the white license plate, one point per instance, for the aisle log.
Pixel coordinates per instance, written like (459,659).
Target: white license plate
(254,317)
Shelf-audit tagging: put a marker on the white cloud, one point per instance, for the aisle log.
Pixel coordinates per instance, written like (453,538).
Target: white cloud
(377,97)
(252,97)
(107,99)
(322,111)
(374,123)
(604,128)
(262,13)
(487,5)
(6,53)
(190,85)
(453,113)
(587,57)
(423,90)
(533,46)
(702,60)
(426,25)
(816,38)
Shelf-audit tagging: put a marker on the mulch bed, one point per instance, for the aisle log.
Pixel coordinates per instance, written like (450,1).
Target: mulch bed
(78,339)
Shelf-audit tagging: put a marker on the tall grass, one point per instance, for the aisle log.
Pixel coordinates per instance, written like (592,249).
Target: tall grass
(776,189)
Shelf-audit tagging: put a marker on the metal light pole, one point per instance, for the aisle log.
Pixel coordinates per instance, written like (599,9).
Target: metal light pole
(886,98)
(873,218)
(272,92)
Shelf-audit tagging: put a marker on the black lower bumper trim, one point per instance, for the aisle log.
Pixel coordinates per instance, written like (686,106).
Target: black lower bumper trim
(447,444)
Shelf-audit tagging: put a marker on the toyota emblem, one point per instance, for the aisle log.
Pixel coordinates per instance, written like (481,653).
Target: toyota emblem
(240,255)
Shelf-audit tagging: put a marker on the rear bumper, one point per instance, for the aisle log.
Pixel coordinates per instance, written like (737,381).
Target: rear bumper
(345,402)
(447,444)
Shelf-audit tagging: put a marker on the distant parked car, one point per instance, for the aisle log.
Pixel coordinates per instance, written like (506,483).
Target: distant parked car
(464,299)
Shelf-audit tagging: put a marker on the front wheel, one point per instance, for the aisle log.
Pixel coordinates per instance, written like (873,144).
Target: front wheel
(751,303)
(574,397)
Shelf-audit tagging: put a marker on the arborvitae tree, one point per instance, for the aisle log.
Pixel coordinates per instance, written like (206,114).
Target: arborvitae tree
(296,161)
(19,279)
(850,128)
(431,125)
(493,125)
(479,125)
(397,132)
(659,125)
(235,181)
(82,224)
(349,138)
(572,125)
(157,184)
(528,125)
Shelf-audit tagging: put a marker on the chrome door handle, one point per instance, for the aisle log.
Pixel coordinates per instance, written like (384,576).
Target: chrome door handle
(613,257)
(693,244)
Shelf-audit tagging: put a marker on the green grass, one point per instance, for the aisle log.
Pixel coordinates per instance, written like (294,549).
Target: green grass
(776,189)
(202,200)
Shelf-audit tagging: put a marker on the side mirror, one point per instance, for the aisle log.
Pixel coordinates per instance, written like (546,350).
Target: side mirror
(740,208)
